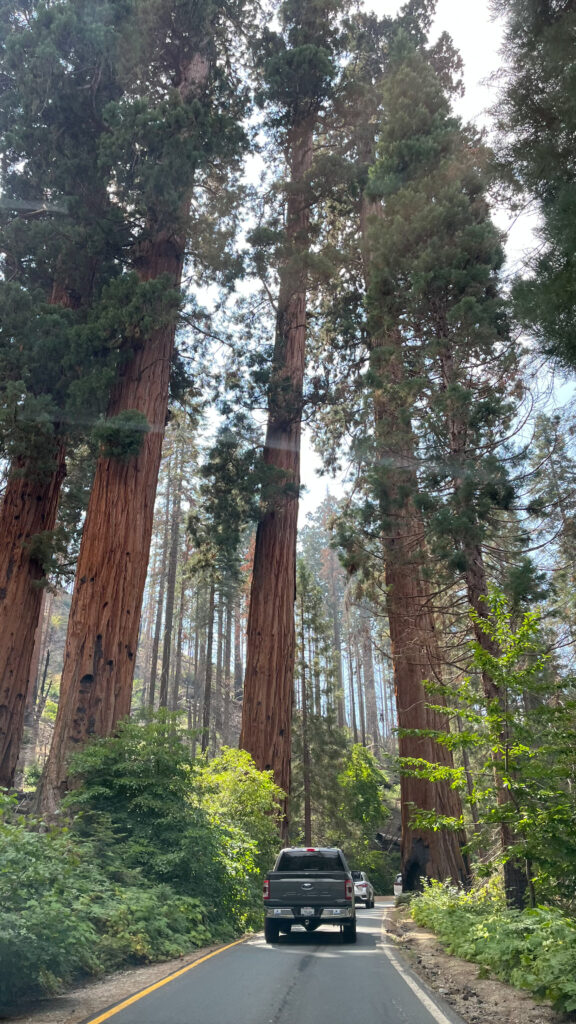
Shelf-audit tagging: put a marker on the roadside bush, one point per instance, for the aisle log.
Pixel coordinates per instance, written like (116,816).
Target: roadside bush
(161,854)
(531,949)
(200,827)
(62,916)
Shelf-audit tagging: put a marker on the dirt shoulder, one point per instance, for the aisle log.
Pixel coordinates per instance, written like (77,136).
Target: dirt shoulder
(477,1000)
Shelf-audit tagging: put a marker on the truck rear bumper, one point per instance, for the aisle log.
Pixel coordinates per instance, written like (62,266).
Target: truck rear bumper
(297,914)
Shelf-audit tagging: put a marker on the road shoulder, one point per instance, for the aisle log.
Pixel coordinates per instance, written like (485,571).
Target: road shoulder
(476,999)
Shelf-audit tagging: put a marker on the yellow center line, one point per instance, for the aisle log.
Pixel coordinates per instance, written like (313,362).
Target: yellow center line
(159,984)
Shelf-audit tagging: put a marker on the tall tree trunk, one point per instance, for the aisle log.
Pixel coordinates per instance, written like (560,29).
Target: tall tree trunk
(218,716)
(305,738)
(96,686)
(177,681)
(43,694)
(39,637)
(516,880)
(268,687)
(226,737)
(238,666)
(337,635)
(351,693)
(174,551)
(360,690)
(413,639)
(162,576)
(207,703)
(372,727)
(415,658)
(29,508)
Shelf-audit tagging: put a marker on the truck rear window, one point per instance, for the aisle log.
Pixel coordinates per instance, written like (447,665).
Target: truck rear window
(310,862)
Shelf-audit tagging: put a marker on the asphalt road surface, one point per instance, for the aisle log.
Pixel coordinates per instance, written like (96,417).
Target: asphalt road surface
(304,978)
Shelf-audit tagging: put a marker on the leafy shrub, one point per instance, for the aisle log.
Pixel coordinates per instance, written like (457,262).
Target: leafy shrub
(531,949)
(193,825)
(162,854)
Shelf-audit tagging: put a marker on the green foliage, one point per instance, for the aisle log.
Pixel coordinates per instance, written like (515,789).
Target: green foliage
(143,789)
(236,793)
(537,119)
(162,854)
(525,737)
(531,949)
(362,784)
(63,914)
(121,437)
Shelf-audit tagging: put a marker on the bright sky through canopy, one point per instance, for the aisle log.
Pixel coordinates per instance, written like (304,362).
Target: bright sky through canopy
(478,39)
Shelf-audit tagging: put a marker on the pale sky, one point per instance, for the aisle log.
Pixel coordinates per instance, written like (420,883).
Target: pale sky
(477,38)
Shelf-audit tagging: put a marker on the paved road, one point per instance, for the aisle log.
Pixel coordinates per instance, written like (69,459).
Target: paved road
(302,979)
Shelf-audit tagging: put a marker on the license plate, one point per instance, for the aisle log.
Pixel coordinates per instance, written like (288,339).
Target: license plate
(307,911)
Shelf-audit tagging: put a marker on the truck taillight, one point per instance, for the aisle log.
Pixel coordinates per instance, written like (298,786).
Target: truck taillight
(266,890)
(348,890)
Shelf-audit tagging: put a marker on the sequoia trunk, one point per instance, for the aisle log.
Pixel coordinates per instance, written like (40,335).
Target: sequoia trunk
(29,508)
(96,686)
(267,709)
(414,644)
(458,431)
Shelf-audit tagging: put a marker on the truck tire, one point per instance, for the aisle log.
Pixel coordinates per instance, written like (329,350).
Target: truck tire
(349,932)
(271,930)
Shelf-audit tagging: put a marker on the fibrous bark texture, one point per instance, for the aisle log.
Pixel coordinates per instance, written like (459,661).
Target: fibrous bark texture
(96,686)
(268,686)
(414,644)
(29,508)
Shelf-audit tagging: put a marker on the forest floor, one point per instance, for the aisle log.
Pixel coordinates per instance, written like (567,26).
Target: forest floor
(476,1000)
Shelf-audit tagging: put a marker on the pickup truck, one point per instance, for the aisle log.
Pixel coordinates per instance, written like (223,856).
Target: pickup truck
(309,886)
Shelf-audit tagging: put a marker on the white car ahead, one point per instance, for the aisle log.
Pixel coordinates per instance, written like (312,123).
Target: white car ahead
(363,889)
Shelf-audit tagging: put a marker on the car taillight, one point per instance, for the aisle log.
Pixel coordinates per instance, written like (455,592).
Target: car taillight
(266,890)
(362,885)
(348,890)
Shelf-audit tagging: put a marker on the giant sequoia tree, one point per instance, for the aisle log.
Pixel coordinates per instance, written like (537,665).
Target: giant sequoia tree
(173,130)
(383,533)
(438,256)
(61,246)
(298,71)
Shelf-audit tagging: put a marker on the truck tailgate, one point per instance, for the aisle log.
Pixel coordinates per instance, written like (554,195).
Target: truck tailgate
(301,889)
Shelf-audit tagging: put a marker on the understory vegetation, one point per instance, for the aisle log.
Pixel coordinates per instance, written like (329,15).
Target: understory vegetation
(157,852)
(533,949)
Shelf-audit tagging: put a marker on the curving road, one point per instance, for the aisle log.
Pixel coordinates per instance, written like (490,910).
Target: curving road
(302,979)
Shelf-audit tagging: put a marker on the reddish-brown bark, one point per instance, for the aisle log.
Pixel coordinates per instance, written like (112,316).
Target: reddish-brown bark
(372,725)
(268,685)
(475,578)
(29,507)
(414,643)
(96,686)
